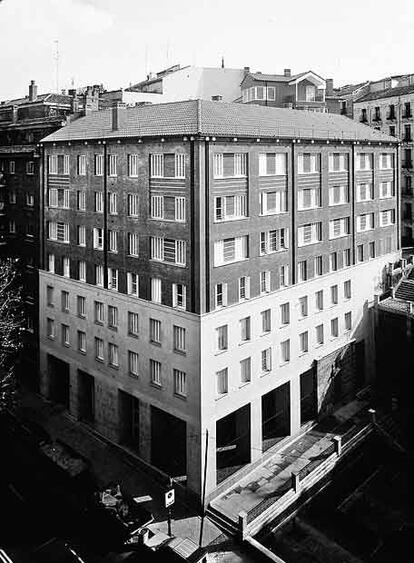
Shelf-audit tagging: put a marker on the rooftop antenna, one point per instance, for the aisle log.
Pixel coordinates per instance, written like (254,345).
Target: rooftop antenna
(146,58)
(56,57)
(222,62)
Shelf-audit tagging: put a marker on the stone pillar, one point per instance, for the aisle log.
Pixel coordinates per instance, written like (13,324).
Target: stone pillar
(145,431)
(256,428)
(295,404)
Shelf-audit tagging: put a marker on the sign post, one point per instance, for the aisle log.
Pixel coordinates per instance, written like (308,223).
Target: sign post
(169,501)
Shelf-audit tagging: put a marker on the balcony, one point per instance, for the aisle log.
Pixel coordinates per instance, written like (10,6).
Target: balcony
(363,119)
(407,164)
(407,115)
(377,118)
(391,117)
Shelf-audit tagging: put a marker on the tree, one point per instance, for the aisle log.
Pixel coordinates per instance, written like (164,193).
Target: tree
(11,329)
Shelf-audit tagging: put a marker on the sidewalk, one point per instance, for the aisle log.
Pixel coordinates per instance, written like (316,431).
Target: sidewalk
(273,478)
(109,464)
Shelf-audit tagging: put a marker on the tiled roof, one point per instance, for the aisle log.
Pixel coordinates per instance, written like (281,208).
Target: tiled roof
(50,98)
(202,117)
(279,77)
(349,89)
(394,305)
(388,93)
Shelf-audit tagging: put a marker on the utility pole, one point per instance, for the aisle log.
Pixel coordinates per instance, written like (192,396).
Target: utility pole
(203,515)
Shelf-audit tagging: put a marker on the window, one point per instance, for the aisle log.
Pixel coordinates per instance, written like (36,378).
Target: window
(245,329)
(81,306)
(310,93)
(285,351)
(81,235)
(245,370)
(65,335)
(81,200)
(333,261)
(266,320)
(133,244)
(222,382)
(309,198)
(157,207)
(179,209)
(302,271)
(221,295)
(285,313)
(12,226)
(155,331)
(99,165)
(50,328)
(180,381)
(59,232)
(157,165)
(98,238)
(318,265)
(240,164)
(364,161)
(82,271)
(284,276)
(12,196)
(348,321)
(112,241)
(347,289)
(309,234)
(58,197)
(133,205)
(265,282)
(338,162)
(230,250)
(65,164)
(180,252)
(99,312)
(179,338)
(156,290)
(334,328)
(113,359)
(133,361)
(218,165)
(303,306)
(155,372)
(387,217)
(81,341)
(386,159)
(30,168)
(133,284)
(308,163)
(334,294)
(221,335)
(113,203)
(99,349)
(99,202)
(266,360)
(12,167)
(360,252)
(319,300)
(112,317)
(274,241)
(228,208)
(304,342)
(338,194)
(346,257)
(133,165)
(272,164)
(113,279)
(179,165)
(229,165)
(81,165)
(386,189)
(65,301)
(244,288)
(365,191)
(273,202)
(53,164)
(66,266)
(133,324)
(179,295)
(49,296)
(319,334)
(339,227)
(371,249)
(365,222)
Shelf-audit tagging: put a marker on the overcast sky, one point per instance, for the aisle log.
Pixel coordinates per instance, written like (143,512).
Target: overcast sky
(116,42)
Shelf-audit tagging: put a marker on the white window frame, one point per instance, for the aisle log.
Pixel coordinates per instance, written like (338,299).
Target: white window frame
(133,284)
(133,165)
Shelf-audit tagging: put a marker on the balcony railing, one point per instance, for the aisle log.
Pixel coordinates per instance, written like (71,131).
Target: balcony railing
(407,115)
(391,117)
(377,118)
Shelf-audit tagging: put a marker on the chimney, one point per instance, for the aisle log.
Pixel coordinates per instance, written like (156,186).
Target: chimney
(287,72)
(32,91)
(329,87)
(246,69)
(217,98)
(118,115)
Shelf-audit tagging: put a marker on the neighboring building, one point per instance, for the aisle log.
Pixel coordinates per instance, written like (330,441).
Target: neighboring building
(392,111)
(213,270)
(341,100)
(189,83)
(299,91)
(23,122)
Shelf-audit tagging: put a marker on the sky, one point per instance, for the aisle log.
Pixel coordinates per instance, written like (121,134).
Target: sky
(117,42)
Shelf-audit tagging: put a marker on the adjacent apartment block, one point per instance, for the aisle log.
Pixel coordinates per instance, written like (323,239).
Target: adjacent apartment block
(212,268)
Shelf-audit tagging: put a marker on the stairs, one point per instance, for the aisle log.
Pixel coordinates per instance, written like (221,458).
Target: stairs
(405,290)
(221,521)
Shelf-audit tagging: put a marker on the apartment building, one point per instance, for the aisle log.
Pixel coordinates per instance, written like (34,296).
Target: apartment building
(389,107)
(211,266)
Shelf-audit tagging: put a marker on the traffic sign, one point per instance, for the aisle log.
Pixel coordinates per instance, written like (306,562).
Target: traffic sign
(169,498)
